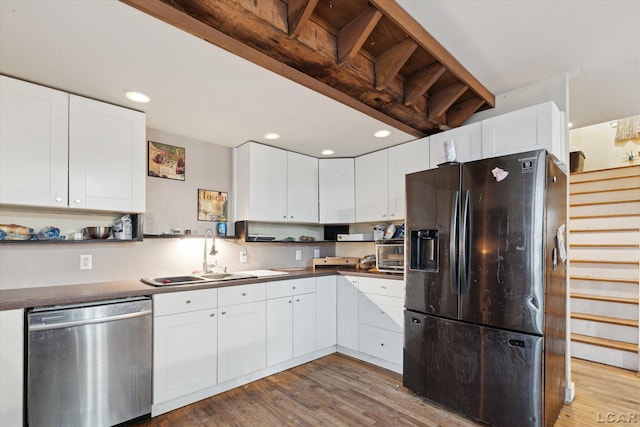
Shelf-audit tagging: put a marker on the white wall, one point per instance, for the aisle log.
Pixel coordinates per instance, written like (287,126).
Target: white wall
(600,148)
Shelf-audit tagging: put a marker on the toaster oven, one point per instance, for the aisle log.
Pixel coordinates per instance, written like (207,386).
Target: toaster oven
(390,255)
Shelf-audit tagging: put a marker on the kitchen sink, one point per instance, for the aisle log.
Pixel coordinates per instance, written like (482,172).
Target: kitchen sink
(196,278)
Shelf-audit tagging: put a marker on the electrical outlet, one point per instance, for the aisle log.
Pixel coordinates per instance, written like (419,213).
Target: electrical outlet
(298,254)
(86,262)
(243,256)
(316,253)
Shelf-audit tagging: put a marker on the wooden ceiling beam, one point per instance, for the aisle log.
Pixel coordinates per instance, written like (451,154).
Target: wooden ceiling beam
(458,113)
(440,101)
(389,63)
(352,36)
(403,20)
(421,81)
(298,13)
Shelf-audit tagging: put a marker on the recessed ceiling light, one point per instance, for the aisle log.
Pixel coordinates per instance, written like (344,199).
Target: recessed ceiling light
(136,96)
(272,135)
(327,152)
(382,133)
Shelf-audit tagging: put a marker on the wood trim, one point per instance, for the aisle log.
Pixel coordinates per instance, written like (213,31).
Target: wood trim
(604,230)
(402,19)
(601,342)
(594,261)
(604,245)
(420,82)
(172,16)
(439,102)
(352,36)
(609,190)
(616,215)
(614,202)
(605,279)
(605,319)
(604,298)
(389,63)
(609,169)
(298,13)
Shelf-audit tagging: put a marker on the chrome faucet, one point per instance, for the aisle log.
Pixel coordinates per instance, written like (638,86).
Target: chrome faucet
(205,264)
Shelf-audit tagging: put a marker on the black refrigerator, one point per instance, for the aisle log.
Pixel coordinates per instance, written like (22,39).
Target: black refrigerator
(486,293)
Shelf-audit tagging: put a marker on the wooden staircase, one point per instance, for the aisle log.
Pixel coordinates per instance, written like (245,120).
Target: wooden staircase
(604,254)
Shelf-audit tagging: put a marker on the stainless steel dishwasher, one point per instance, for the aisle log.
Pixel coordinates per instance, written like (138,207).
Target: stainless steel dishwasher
(90,364)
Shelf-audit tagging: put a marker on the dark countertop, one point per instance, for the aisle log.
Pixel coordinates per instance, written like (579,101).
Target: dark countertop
(73,294)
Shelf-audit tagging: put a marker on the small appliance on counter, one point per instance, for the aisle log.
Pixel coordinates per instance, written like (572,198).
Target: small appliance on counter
(390,255)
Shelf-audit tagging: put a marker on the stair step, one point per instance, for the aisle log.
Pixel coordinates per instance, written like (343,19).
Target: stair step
(601,342)
(605,202)
(605,298)
(605,319)
(605,174)
(611,215)
(604,190)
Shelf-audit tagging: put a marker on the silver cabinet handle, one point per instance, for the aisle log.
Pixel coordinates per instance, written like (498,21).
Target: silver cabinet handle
(58,199)
(244,294)
(188,301)
(224,312)
(77,201)
(289,301)
(212,315)
(293,287)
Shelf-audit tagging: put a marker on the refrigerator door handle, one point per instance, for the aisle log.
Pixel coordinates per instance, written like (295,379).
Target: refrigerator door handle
(453,245)
(464,244)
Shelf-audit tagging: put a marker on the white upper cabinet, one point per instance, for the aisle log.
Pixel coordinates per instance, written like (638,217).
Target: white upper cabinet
(403,159)
(532,128)
(380,180)
(372,187)
(467,142)
(61,150)
(107,156)
(34,151)
(336,191)
(275,185)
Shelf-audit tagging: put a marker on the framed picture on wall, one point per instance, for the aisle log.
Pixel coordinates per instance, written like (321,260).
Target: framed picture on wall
(166,161)
(212,206)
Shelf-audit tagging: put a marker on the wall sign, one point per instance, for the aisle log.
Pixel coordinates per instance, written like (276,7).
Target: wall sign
(212,206)
(166,161)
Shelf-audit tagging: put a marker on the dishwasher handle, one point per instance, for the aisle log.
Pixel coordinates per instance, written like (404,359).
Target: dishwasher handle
(61,325)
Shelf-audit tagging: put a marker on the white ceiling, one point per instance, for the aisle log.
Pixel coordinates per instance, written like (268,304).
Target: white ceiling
(99,48)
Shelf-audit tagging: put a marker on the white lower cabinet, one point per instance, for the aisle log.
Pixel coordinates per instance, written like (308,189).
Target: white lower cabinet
(241,339)
(326,300)
(11,368)
(381,318)
(347,312)
(184,343)
(291,320)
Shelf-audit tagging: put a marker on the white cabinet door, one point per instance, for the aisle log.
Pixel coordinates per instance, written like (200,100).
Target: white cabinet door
(107,156)
(337,191)
(532,128)
(302,188)
(326,311)
(279,330)
(403,159)
(241,340)
(372,187)
(12,367)
(347,311)
(184,353)
(34,149)
(304,324)
(467,141)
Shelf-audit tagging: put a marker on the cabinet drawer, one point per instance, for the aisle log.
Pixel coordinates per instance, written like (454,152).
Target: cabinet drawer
(381,311)
(285,288)
(390,287)
(381,343)
(240,294)
(181,302)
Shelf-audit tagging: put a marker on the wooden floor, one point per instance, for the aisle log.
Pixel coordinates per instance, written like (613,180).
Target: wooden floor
(340,391)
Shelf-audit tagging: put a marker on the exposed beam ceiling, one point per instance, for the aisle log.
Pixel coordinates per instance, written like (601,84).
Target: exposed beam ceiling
(372,56)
